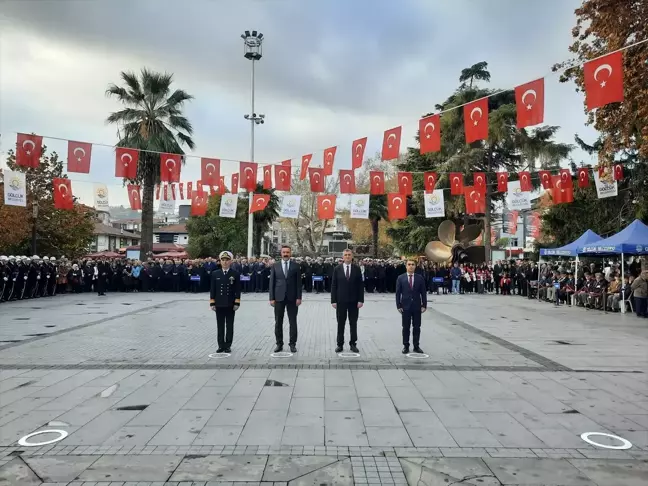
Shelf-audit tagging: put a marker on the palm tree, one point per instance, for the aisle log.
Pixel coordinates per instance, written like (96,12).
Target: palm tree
(263,219)
(477,71)
(377,212)
(151,120)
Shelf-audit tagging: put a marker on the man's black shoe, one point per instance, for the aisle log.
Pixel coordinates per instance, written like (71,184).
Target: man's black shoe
(279,348)
(418,350)
(293,348)
(405,349)
(339,349)
(227,350)
(354,348)
(220,350)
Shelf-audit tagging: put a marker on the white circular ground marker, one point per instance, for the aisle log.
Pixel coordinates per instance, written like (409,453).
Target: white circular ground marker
(62,435)
(281,354)
(349,355)
(219,355)
(417,355)
(625,444)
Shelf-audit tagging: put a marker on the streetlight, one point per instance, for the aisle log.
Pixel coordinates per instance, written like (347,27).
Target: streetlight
(252,50)
(34,220)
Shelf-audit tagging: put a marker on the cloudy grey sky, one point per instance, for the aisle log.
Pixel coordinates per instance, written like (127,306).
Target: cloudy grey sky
(332,71)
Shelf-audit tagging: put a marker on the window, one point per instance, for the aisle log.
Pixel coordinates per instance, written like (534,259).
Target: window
(166,237)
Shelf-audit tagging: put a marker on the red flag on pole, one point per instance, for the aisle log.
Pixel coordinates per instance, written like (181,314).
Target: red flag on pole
(248,175)
(583,177)
(126,160)
(198,203)
(357,152)
(316,175)
(396,206)
(134,197)
(479,181)
(529,102)
(475,200)
(562,192)
(618,172)
(456,183)
(326,206)
(430,180)
(28,150)
(525,181)
(603,80)
(545,179)
(282,177)
(405,183)
(209,171)
(377,179)
(347,182)
(259,202)
(391,143)
(306,160)
(62,193)
(430,133)
(235,183)
(502,182)
(566,178)
(267,177)
(476,120)
(78,159)
(329,159)
(170,167)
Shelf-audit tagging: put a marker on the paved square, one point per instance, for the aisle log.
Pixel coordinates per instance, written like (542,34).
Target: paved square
(508,388)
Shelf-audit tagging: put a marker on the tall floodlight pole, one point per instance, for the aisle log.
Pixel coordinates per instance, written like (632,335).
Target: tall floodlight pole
(253,51)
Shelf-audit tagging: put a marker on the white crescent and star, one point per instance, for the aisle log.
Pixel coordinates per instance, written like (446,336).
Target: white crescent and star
(283,174)
(347,177)
(502,177)
(173,163)
(405,180)
(329,155)
(80,149)
(472,112)
(358,149)
(135,194)
(430,179)
(31,143)
(63,190)
(602,67)
(246,171)
(389,137)
(471,195)
(529,92)
(376,178)
(316,176)
(399,199)
(455,178)
(564,176)
(126,156)
(480,179)
(428,124)
(213,168)
(327,200)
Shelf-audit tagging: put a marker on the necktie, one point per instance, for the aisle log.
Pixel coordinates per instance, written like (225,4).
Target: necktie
(411,284)
(285,269)
(347,272)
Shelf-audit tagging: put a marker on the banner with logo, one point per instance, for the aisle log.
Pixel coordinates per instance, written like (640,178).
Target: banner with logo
(228,205)
(166,206)
(516,198)
(360,206)
(290,206)
(15,192)
(434,204)
(605,187)
(101,197)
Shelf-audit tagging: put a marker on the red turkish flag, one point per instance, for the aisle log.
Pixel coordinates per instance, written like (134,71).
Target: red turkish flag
(456,183)
(566,178)
(316,175)
(618,172)
(513,217)
(157,192)
(525,181)
(259,202)
(326,206)
(430,133)
(212,189)
(430,180)
(222,187)
(29,149)
(62,193)
(479,181)
(391,143)
(357,152)
(199,203)
(267,177)
(282,175)
(235,183)
(170,167)
(134,197)
(502,182)
(405,183)
(79,157)
(190,189)
(475,200)
(347,182)
(529,102)
(603,80)
(396,206)
(287,163)
(377,179)
(126,160)
(248,175)
(209,171)
(545,179)
(476,120)
(306,160)
(329,159)
(562,192)
(583,177)
(181,187)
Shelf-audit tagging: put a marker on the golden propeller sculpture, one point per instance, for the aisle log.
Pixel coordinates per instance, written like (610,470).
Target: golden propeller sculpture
(449,250)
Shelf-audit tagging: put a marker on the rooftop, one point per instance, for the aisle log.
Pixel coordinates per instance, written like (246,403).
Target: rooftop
(104,229)
(172,228)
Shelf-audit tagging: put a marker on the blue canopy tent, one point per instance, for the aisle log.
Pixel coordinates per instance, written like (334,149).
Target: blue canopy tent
(572,248)
(633,240)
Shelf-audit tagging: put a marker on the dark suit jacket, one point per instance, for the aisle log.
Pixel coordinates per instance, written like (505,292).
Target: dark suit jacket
(347,291)
(285,287)
(411,299)
(225,289)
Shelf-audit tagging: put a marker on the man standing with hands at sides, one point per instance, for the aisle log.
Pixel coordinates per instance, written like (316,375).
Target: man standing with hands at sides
(411,302)
(347,298)
(285,294)
(225,299)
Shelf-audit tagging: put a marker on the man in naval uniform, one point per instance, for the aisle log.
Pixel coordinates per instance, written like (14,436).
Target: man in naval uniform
(225,299)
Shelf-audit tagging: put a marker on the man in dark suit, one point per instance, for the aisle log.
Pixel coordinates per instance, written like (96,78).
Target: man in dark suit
(347,298)
(411,302)
(285,294)
(225,299)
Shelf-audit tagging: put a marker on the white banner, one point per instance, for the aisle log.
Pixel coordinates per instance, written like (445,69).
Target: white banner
(166,206)
(434,204)
(228,205)
(605,188)
(101,197)
(290,206)
(360,206)
(516,198)
(15,189)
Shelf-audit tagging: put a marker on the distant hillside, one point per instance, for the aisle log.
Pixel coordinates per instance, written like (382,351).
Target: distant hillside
(120,212)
